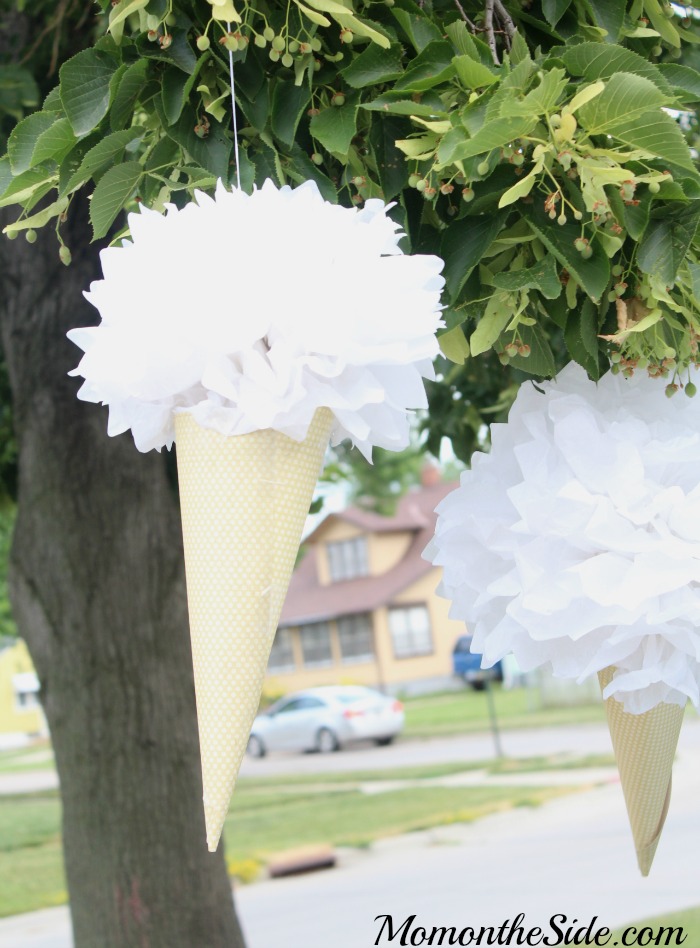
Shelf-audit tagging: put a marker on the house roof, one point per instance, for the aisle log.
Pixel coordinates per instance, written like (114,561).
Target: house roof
(309,601)
(408,516)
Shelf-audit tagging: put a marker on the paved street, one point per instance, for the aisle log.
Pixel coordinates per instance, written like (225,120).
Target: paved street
(581,739)
(572,856)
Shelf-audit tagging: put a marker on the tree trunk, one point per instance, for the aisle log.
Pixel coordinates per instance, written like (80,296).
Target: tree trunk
(97,586)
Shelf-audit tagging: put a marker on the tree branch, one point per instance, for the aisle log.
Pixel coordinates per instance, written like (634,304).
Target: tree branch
(462,13)
(505,18)
(488,29)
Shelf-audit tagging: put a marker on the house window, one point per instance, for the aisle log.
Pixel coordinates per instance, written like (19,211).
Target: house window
(348,558)
(316,644)
(282,653)
(410,631)
(26,688)
(26,700)
(355,637)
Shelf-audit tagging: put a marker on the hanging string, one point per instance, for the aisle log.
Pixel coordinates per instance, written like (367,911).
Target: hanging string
(233,113)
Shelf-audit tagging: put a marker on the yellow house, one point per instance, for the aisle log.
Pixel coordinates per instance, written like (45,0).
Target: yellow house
(362,607)
(20,710)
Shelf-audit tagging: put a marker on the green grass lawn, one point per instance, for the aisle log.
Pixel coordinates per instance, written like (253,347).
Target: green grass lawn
(268,815)
(36,757)
(457,712)
(261,823)
(688,920)
(31,862)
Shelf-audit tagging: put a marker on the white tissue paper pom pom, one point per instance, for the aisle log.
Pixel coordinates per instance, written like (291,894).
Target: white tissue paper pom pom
(576,540)
(252,311)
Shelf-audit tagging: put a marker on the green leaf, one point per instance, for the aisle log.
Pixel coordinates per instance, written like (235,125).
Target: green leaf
(366,28)
(472,74)
(540,100)
(176,85)
(396,103)
(431,67)
(334,128)
(212,152)
(318,18)
(464,243)
(5,174)
(288,104)
(601,61)
(636,216)
(449,143)
(257,109)
(665,243)
(345,17)
(18,91)
(55,142)
(659,135)
(592,274)
(23,139)
(663,26)
(373,66)
(694,273)
(107,152)
(683,79)
(495,134)
(581,338)
(166,153)
(119,14)
(419,29)
(454,345)
(304,169)
(74,159)
(554,10)
(497,315)
(391,167)
(126,95)
(542,276)
(610,15)
(521,188)
(462,40)
(179,53)
(84,85)
(111,194)
(518,49)
(52,102)
(40,219)
(540,362)
(626,97)
(23,186)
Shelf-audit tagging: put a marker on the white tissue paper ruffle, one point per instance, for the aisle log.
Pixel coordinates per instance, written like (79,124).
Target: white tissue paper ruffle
(576,540)
(252,311)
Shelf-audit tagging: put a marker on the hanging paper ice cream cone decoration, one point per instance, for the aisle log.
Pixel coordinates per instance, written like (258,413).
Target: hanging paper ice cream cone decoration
(645,746)
(244,500)
(327,331)
(574,544)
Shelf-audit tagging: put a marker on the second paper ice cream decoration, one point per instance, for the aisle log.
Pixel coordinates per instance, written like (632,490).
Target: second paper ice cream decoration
(251,329)
(575,543)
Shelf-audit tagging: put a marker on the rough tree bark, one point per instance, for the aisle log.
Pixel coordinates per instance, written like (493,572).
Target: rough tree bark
(97,586)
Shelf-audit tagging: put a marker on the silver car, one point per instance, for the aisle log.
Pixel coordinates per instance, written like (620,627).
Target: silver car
(324,719)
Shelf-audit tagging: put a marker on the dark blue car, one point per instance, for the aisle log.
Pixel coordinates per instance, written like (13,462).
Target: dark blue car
(467,665)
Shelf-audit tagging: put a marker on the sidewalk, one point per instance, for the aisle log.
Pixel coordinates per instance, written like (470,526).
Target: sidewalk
(573,855)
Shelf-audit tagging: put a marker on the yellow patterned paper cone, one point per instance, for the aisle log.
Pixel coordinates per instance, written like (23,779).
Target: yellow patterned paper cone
(244,501)
(645,746)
